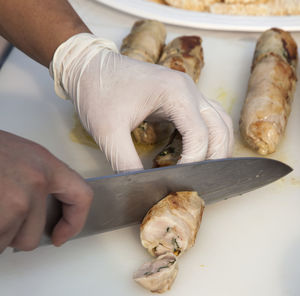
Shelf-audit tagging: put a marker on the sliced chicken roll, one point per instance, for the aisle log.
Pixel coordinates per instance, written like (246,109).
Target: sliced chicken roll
(172,224)
(159,274)
(145,41)
(171,153)
(149,133)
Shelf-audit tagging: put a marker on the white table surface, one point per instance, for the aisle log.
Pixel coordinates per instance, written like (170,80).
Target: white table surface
(247,245)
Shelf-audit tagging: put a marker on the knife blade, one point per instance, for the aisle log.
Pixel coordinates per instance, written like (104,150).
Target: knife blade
(124,199)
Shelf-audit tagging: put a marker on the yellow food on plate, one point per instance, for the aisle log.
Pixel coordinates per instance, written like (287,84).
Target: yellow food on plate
(238,7)
(159,1)
(187,4)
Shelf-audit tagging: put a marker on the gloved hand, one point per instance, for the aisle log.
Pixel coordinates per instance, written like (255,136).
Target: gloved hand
(113,94)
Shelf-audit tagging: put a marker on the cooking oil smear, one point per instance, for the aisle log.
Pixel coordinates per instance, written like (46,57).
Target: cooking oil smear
(226,99)
(78,134)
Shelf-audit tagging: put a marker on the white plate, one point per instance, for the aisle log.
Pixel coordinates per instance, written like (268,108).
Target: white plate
(174,16)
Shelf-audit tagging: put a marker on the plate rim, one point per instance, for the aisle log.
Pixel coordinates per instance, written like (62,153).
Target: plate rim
(203,20)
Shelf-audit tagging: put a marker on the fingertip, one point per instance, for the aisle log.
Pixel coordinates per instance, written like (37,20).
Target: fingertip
(194,144)
(62,233)
(121,153)
(57,243)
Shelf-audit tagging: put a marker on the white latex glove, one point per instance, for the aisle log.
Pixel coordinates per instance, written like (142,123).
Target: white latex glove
(113,94)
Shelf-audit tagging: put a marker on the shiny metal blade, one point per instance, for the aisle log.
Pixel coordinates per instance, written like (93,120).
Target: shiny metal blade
(124,199)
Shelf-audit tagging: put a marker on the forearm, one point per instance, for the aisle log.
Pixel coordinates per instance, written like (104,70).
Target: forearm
(38,27)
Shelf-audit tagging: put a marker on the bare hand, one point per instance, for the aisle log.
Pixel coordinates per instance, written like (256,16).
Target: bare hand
(28,174)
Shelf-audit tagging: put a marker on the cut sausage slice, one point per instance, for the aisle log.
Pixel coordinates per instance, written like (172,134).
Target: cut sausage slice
(172,224)
(171,152)
(149,133)
(159,274)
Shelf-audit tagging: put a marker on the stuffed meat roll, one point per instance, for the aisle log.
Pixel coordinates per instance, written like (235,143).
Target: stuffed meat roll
(184,54)
(145,41)
(172,224)
(270,92)
(159,274)
(171,152)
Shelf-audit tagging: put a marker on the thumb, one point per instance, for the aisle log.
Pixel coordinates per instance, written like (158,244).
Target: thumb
(120,151)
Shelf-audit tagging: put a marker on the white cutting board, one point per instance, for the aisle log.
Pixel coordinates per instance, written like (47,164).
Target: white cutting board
(248,245)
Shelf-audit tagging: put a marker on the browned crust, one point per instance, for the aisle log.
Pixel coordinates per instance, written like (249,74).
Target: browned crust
(171,153)
(285,47)
(173,201)
(145,134)
(176,201)
(145,41)
(289,45)
(270,92)
(184,54)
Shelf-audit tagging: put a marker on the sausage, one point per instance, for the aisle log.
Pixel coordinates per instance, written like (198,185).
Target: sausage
(167,231)
(270,92)
(172,224)
(150,133)
(184,54)
(145,41)
(158,275)
(171,152)
(278,42)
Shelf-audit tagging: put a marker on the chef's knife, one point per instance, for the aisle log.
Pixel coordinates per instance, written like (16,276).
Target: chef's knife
(124,199)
